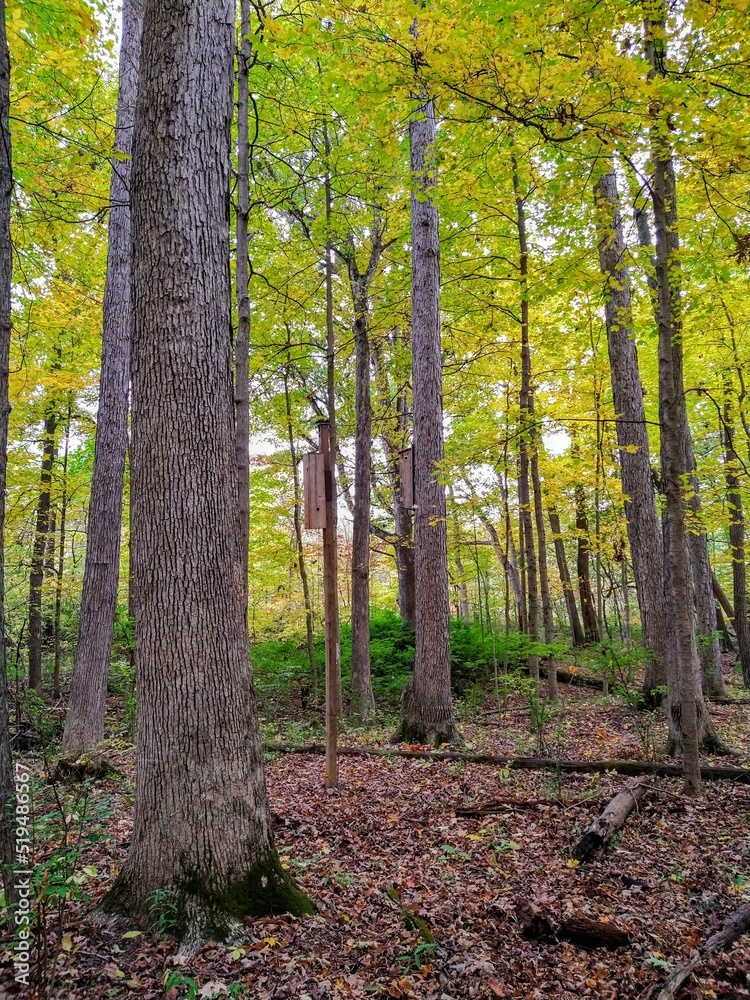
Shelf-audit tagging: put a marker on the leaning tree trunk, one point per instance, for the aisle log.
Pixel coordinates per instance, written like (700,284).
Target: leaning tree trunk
(7,784)
(644,528)
(426,705)
(202,829)
(84,724)
(576,629)
(583,567)
(736,535)
(363,701)
(36,576)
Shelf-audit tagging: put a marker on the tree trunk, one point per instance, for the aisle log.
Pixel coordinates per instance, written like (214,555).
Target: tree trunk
(403,542)
(709,651)
(333,647)
(36,576)
(242,280)
(526,444)
(507,560)
(690,725)
(736,535)
(426,705)
(583,567)
(562,568)
(301,563)
(84,723)
(7,782)
(363,701)
(464,610)
(60,570)
(202,829)
(644,528)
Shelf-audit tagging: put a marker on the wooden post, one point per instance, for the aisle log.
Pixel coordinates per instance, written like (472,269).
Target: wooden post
(331,600)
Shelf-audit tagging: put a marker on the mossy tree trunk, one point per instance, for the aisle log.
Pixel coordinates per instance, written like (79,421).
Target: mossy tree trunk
(202,836)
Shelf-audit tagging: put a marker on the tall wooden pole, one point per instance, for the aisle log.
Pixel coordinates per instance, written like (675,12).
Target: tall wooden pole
(331,600)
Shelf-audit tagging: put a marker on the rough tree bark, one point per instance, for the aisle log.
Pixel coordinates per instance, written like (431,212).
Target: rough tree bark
(60,568)
(576,629)
(736,534)
(690,725)
(701,574)
(527,430)
(202,829)
(426,705)
(36,576)
(242,292)
(7,784)
(643,524)
(363,700)
(84,723)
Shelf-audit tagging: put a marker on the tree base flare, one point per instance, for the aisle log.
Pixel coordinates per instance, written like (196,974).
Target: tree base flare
(195,912)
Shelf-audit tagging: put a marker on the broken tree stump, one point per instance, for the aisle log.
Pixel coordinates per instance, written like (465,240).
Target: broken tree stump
(613,818)
(735,925)
(581,930)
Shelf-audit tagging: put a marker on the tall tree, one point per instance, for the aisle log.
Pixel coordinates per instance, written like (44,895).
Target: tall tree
(363,701)
(202,821)
(583,567)
(39,550)
(689,722)
(736,532)
(426,705)
(242,278)
(7,811)
(527,427)
(643,525)
(84,723)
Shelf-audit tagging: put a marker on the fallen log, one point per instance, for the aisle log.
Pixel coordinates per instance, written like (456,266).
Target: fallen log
(583,931)
(729,701)
(626,767)
(735,925)
(601,831)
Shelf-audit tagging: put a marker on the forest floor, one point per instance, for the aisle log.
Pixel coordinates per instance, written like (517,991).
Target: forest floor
(386,846)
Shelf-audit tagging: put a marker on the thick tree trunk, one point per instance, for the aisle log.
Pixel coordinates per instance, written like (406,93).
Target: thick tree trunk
(576,630)
(242,281)
(583,568)
(736,535)
(301,562)
(36,576)
(426,706)
(84,723)
(363,701)
(7,783)
(644,528)
(202,830)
